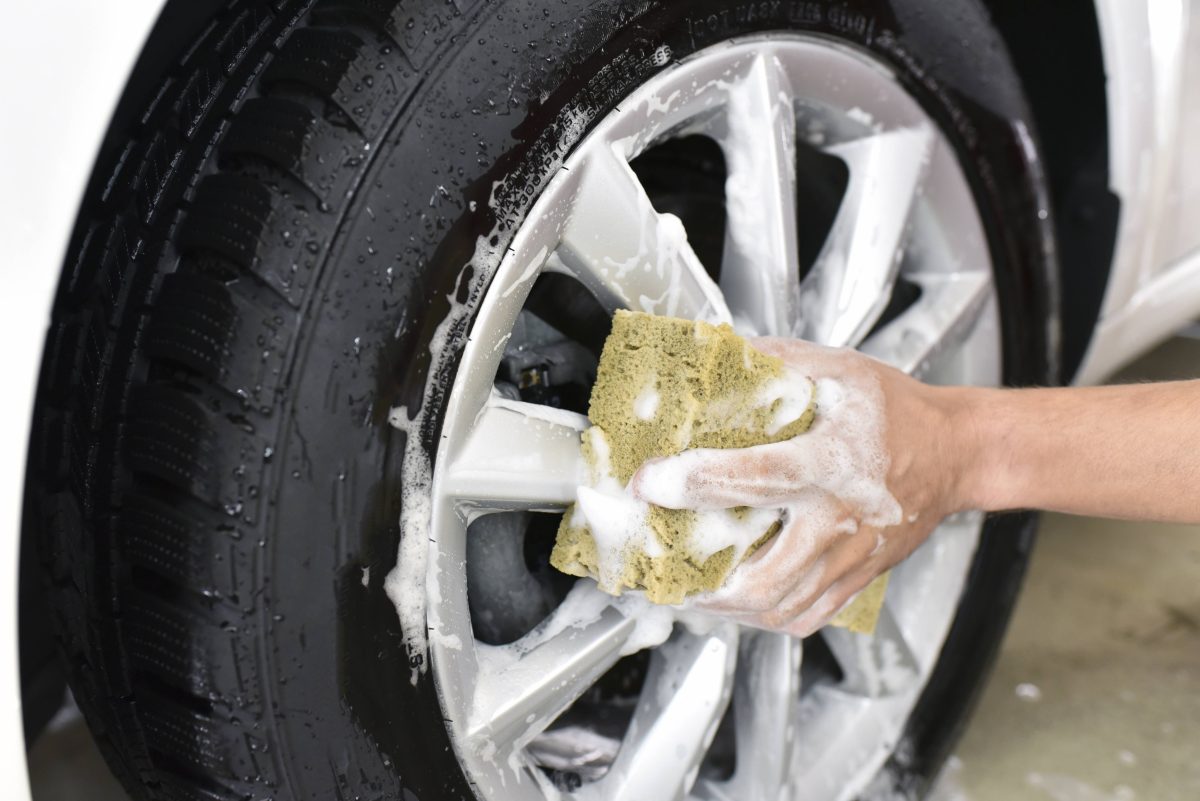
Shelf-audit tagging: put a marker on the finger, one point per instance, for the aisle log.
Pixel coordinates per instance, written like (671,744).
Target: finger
(835,599)
(793,561)
(846,557)
(764,586)
(824,531)
(818,614)
(819,360)
(758,622)
(754,591)
(714,478)
(784,347)
(812,621)
(805,595)
(804,626)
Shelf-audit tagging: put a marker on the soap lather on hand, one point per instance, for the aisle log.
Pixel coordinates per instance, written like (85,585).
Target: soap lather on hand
(752,514)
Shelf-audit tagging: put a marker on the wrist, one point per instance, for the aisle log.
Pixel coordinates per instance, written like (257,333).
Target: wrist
(969,451)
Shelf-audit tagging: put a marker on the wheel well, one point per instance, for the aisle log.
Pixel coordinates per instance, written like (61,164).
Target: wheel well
(1056,50)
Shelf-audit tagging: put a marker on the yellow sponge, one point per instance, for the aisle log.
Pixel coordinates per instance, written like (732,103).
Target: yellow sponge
(665,385)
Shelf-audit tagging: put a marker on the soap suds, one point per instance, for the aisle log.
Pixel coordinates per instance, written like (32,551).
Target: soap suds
(830,481)
(645,406)
(621,525)
(672,238)
(582,607)
(752,169)
(663,385)
(407,584)
(531,270)
(789,396)
(843,456)
(1028,692)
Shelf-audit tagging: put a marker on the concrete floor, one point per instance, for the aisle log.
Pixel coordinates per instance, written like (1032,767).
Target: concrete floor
(1096,695)
(64,765)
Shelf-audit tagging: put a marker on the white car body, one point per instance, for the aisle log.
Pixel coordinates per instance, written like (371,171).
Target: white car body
(64,65)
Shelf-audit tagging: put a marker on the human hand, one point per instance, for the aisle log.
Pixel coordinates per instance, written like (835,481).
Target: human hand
(860,490)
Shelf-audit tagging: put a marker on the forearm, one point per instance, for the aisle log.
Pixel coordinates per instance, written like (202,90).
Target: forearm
(1122,451)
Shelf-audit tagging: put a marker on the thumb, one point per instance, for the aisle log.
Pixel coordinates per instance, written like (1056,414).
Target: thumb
(714,478)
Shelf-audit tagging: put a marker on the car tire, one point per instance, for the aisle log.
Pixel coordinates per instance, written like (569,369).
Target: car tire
(255,282)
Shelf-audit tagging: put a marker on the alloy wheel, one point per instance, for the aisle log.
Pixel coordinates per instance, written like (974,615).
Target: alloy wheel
(563,701)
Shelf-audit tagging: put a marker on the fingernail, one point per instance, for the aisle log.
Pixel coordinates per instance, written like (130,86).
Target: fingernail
(636,484)
(645,482)
(659,483)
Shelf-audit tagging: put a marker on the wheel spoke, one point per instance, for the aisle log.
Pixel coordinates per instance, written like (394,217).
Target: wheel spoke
(875,665)
(941,319)
(766,697)
(833,727)
(518,456)
(765,705)
(849,286)
(523,687)
(934,575)
(759,270)
(628,254)
(686,691)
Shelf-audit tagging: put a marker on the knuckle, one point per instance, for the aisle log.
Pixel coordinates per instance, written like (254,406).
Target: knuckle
(804,626)
(776,618)
(766,602)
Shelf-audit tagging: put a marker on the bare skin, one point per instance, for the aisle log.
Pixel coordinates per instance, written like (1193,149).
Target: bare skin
(1124,451)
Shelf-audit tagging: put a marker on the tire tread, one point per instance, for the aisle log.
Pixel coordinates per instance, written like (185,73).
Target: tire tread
(162,382)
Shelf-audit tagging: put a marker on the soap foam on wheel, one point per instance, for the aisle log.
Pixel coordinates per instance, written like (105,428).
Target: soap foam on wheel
(665,385)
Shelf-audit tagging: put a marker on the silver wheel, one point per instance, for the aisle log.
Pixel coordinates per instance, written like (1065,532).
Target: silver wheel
(819,727)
